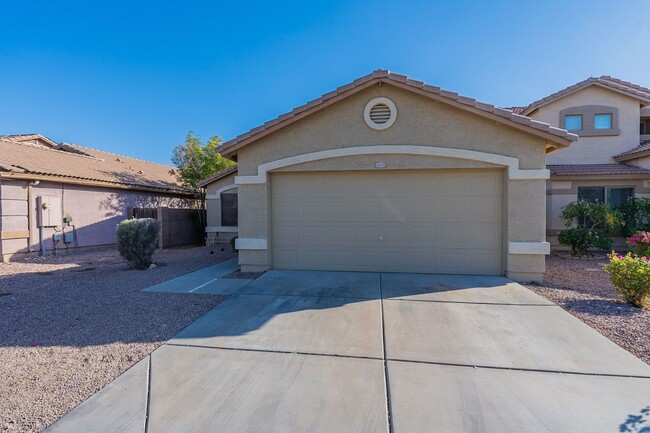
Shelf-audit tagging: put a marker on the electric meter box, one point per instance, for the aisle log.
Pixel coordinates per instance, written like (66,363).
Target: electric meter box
(49,211)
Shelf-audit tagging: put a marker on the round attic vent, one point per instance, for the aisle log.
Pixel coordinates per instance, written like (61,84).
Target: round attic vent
(380,113)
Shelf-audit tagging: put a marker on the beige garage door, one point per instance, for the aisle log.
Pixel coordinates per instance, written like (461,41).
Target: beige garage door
(439,221)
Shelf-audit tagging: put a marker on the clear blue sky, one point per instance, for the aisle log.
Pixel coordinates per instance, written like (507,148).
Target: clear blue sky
(133,77)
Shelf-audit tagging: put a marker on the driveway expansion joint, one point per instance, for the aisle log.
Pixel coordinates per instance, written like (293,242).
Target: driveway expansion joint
(530,370)
(469,302)
(283,352)
(302,296)
(383,347)
(145,427)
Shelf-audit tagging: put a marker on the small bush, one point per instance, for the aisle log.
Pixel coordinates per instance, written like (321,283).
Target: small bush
(640,244)
(631,276)
(636,214)
(137,240)
(589,225)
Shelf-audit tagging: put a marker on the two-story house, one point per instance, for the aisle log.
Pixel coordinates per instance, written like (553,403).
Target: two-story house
(610,162)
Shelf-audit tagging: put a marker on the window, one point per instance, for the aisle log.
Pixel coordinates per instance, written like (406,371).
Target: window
(573,122)
(642,128)
(229,214)
(615,197)
(603,121)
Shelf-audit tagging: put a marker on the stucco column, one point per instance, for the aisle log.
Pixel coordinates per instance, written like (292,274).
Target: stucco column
(254,226)
(526,233)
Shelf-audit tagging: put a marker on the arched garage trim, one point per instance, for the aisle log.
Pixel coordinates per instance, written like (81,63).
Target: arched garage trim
(512,164)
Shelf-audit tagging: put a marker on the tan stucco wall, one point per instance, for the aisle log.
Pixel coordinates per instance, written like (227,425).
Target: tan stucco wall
(420,121)
(599,149)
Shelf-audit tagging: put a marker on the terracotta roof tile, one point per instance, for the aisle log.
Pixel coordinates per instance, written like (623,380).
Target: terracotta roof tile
(636,152)
(633,90)
(388,77)
(596,169)
(82,163)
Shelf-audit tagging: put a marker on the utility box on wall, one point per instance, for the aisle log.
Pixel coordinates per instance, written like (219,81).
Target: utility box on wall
(49,209)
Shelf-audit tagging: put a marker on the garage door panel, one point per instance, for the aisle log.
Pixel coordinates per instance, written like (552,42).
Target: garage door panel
(429,221)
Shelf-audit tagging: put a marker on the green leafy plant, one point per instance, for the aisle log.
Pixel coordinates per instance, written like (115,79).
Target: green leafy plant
(589,225)
(640,244)
(636,214)
(631,276)
(137,240)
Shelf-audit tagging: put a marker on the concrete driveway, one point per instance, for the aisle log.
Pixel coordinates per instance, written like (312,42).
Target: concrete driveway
(303,351)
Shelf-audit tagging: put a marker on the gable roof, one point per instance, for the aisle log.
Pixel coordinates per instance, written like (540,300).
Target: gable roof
(77,164)
(555,135)
(216,177)
(633,90)
(31,137)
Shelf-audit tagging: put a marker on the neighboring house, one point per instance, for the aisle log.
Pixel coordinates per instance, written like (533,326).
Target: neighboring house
(390,174)
(610,162)
(42,182)
(221,205)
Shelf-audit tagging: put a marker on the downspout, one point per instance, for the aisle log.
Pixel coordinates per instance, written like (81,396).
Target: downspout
(30,214)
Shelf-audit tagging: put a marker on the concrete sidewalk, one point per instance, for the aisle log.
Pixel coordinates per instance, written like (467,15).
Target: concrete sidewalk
(299,351)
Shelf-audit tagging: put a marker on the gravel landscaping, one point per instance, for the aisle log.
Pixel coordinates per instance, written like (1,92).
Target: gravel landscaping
(70,325)
(581,287)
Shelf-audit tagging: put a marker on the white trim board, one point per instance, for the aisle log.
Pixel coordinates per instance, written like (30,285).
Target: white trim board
(514,172)
(251,244)
(518,247)
(217,193)
(221,229)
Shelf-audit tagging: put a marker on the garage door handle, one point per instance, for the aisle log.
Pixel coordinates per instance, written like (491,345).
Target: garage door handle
(381,239)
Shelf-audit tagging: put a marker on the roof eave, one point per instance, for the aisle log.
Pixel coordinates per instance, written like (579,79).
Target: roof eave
(531,108)
(91,182)
(506,117)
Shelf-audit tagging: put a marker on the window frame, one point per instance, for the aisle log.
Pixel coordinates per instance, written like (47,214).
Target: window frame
(611,121)
(229,220)
(588,113)
(579,116)
(607,191)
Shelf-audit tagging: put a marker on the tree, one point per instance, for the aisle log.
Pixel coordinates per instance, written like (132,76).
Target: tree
(194,161)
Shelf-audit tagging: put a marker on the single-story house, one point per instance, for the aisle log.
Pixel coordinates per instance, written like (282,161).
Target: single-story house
(68,196)
(391,174)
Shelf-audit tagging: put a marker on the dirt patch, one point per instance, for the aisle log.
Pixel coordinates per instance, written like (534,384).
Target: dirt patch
(583,289)
(71,324)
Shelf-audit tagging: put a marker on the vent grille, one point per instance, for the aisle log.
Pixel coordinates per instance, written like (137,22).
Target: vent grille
(380,113)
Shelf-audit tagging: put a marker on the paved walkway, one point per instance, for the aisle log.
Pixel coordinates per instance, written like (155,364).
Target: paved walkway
(208,281)
(302,351)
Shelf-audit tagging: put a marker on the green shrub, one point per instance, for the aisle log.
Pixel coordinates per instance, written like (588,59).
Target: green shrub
(137,240)
(589,225)
(631,276)
(636,214)
(640,244)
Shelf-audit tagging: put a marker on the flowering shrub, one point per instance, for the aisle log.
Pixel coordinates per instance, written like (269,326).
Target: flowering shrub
(631,276)
(640,244)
